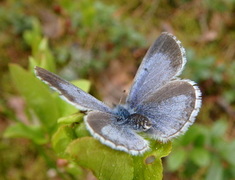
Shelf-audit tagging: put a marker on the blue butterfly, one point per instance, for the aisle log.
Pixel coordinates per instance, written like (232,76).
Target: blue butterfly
(159,104)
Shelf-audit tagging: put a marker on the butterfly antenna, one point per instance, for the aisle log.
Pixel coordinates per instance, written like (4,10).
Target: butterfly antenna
(124,91)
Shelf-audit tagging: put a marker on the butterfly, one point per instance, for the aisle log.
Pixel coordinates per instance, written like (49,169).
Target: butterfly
(159,104)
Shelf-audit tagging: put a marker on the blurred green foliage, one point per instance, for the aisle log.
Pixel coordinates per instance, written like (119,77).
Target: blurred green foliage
(43,107)
(204,153)
(81,39)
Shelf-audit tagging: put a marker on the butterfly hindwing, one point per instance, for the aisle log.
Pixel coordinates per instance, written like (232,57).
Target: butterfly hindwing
(171,109)
(102,126)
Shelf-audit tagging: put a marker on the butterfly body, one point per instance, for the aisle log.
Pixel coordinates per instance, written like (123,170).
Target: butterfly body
(132,120)
(159,104)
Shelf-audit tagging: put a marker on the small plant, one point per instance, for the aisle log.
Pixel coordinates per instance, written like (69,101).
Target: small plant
(204,153)
(43,108)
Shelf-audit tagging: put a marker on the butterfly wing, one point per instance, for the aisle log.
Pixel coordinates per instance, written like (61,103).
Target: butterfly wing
(71,93)
(164,60)
(101,125)
(171,109)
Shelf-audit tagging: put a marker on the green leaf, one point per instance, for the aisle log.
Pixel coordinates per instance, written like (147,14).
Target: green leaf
(81,130)
(219,128)
(61,139)
(65,108)
(176,159)
(43,45)
(220,145)
(44,56)
(74,118)
(215,171)
(149,165)
(37,96)
(200,157)
(20,130)
(192,133)
(103,161)
(34,36)
(232,171)
(75,170)
(203,138)
(32,63)
(82,84)
(228,152)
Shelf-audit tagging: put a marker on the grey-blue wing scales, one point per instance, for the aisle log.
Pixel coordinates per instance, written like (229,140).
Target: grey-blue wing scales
(71,93)
(164,60)
(171,109)
(101,125)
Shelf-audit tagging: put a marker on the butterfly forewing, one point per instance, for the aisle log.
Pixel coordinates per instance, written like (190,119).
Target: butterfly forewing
(164,60)
(71,93)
